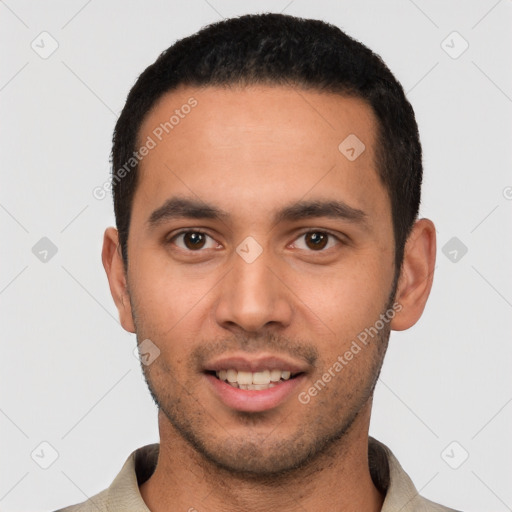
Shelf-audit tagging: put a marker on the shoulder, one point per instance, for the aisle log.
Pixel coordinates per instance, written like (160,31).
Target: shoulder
(430,506)
(392,480)
(123,494)
(97,503)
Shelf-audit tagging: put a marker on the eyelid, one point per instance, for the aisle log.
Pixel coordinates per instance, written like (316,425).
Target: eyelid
(307,231)
(171,238)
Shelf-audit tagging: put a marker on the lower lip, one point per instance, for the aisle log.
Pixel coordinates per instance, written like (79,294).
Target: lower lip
(249,400)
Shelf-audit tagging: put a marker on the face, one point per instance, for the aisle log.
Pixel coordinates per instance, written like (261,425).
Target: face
(260,253)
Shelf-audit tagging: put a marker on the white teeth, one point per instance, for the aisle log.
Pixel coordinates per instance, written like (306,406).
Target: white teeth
(261,377)
(275,375)
(244,378)
(253,380)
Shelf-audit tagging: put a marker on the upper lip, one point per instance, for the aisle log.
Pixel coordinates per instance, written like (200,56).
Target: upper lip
(255,363)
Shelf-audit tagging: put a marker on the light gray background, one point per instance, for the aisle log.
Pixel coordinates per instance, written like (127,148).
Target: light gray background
(68,374)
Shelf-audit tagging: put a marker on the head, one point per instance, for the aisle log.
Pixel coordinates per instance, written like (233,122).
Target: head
(290,154)
(275,49)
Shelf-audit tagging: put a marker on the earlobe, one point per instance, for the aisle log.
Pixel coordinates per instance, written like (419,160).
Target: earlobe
(416,275)
(114,267)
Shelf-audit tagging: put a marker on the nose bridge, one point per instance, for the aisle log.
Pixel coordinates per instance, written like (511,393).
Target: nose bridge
(251,295)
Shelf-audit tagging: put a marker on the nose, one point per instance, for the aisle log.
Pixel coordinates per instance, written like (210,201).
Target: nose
(253,296)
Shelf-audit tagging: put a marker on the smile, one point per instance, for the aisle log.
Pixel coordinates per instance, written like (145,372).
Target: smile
(256,381)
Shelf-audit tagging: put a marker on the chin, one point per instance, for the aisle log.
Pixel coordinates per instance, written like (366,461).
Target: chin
(258,460)
(261,456)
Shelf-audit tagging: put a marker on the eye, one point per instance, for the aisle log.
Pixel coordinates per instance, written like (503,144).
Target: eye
(193,240)
(317,241)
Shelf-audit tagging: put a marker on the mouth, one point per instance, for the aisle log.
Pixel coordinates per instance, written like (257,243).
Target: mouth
(254,381)
(254,384)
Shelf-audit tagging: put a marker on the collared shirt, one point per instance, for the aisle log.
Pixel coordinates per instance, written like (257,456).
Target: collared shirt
(387,474)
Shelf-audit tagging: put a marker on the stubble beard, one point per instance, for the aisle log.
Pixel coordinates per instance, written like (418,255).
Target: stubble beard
(266,457)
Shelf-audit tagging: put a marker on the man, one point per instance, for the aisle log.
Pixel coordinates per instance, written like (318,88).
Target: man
(266,181)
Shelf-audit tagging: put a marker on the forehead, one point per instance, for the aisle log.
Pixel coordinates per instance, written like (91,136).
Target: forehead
(302,116)
(243,142)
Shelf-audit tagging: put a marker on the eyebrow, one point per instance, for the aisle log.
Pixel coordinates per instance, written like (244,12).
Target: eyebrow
(332,209)
(179,208)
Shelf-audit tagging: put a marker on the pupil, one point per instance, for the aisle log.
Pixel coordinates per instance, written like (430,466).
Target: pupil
(319,240)
(194,240)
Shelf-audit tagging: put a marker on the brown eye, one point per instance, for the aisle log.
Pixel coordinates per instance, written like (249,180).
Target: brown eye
(316,240)
(193,241)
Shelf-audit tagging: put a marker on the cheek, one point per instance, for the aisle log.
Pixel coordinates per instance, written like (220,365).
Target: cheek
(348,299)
(167,296)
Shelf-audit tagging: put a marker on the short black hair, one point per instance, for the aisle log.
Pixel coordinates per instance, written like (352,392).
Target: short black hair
(278,49)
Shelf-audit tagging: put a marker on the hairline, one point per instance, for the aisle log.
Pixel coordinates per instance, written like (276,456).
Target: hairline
(244,83)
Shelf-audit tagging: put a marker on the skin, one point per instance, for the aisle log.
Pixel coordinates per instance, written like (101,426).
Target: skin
(251,151)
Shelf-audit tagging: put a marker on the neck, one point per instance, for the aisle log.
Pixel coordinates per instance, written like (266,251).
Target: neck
(338,480)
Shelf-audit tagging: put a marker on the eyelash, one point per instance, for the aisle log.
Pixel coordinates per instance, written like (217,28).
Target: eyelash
(199,231)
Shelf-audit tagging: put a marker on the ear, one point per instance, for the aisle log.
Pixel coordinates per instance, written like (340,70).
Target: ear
(416,275)
(114,267)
